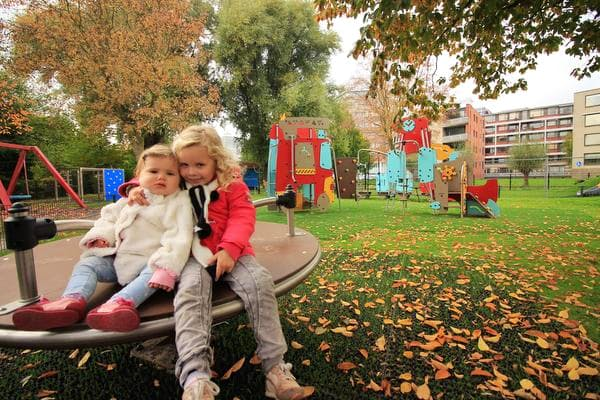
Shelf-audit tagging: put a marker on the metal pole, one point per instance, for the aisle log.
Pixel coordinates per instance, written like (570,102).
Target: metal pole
(290,221)
(26,275)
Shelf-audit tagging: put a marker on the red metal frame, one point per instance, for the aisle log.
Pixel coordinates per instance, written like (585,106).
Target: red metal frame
(5,193)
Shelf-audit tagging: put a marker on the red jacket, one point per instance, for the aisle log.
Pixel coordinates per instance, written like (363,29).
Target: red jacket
(232,218)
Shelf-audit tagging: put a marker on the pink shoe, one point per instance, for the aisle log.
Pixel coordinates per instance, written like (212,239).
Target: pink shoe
(119,315)
(50,314)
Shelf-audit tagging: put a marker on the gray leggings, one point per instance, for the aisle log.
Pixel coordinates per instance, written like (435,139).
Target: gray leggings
(193,315)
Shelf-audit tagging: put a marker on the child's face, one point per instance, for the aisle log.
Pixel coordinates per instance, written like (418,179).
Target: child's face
(196,166)
(160,175)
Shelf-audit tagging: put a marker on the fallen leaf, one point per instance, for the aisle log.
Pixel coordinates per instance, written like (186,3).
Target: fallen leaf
(346,366)
(255,360)
(542,343)
(526,384)
(374,386)
(442,374)
(234,368)
(296,345)
(405,387)
(482,345)
(84,359)
(364,353)
(423,392)
(380,343)
(481,372)
(48,374)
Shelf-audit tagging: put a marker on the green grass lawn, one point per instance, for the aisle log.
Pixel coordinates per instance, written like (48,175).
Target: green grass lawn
(402,301)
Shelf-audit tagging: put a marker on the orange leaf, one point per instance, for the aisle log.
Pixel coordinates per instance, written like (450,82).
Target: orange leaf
(442,374)
(481,372)
(236,367)
(364,353)
(346,366)
(423,392)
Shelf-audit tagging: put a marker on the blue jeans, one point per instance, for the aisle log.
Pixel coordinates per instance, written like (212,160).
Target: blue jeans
(91,270)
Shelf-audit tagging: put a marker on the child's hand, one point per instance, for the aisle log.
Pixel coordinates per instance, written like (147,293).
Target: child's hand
(97,243)
(224,263)
(136,196)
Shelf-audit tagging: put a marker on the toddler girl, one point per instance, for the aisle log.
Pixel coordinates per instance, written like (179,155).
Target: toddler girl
(142,248)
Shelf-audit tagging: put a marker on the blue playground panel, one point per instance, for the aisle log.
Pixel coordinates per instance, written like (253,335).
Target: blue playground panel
(397,175)
(427,158)
(112,179)
(326,161)
(252,179)
(271,168)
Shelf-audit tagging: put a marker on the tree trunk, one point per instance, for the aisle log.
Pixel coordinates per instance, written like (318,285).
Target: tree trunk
(526,179)
(137,145)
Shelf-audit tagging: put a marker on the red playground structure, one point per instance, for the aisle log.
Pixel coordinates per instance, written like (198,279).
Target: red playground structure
(300,154)
(6,192)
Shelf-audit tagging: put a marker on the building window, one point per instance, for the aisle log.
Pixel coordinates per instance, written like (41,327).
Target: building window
(592,100)
(514,115)
(489,140)
(564,110)
(490,118)
(565,121)
(538,112)
(592,119)
(591,159)
(552,123)
(455,130)
(592,139)
(490,129)
(532,125)
(552,110)
(503,117)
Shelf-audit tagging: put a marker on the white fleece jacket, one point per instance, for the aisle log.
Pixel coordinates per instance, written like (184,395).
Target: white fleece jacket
(159,235)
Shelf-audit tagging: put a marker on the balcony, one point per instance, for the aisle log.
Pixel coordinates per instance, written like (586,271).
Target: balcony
(455,122)
(454,138)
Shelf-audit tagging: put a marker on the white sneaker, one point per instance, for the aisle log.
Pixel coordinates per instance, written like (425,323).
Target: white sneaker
(201,389)
(282,385)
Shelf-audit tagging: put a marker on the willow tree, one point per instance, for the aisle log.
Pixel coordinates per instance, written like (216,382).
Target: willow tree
(132,65)
(489,39)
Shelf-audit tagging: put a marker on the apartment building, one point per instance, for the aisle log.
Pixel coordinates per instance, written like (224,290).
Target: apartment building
(463,128)
(586,134)
(550,125)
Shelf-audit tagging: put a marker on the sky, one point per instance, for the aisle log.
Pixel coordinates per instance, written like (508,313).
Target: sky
(550,83)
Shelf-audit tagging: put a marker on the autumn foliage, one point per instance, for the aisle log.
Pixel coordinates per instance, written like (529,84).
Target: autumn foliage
(130,63)
(13,111)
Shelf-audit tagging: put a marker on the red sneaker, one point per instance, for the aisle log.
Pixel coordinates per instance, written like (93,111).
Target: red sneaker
(50,314)
(116,316)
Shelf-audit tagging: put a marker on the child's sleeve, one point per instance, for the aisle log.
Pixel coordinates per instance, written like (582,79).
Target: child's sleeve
(241,221)
(125,187)
(176,240)
(104,227)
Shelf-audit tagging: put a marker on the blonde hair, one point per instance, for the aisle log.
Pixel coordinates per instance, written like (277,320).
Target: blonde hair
(227,169)
(158,150)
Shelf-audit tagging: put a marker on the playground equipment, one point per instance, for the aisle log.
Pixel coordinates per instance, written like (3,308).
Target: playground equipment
(444,174)
(7,192)
(301,155)
(107,182)
(290,254)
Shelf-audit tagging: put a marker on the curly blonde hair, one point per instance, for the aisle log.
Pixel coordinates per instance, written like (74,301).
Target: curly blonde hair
(228,170)
(158,150)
